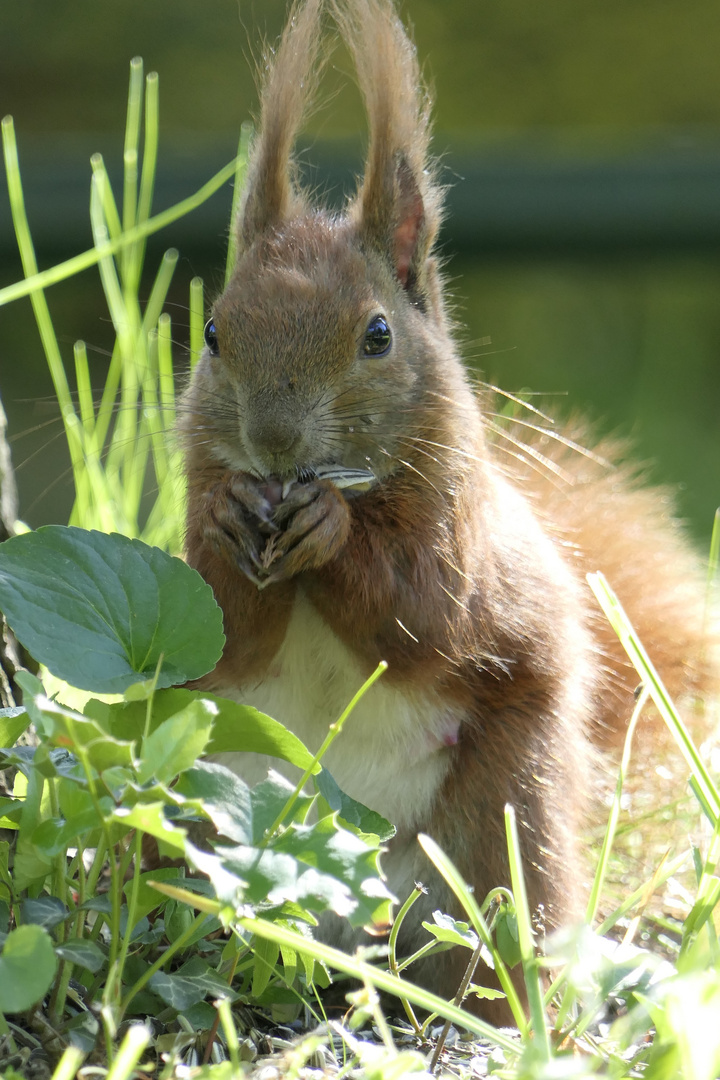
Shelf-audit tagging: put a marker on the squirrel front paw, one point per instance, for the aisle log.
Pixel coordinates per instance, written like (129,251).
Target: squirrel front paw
(270,538)
(237,522)
(313,523)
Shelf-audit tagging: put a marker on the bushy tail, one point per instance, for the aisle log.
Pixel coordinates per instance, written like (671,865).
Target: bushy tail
(607,518)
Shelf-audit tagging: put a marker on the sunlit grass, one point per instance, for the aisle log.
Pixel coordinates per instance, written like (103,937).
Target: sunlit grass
(126,465)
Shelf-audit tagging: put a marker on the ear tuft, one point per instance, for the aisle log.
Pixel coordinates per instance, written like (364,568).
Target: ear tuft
(398,205)
(270,195)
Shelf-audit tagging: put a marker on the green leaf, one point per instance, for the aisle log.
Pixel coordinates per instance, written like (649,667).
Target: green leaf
(354,813)
(445,928)
(12,724)
(55,835)
(97,903)
(177,743)
(265,953)
(487,993)
(228,886)
(30,865)
(45,911)
(31,687)
(117,780)
(75,732)
(289,963)
(126,719)
(27,968)
(83,952)
(237,728)
(268,799)
(225,799)
(507,937)
(100,611)
(82,1031)
(346,858)
(319,867)
(11,809)
(192,983)
(148,899)
(5,880)
(178,919)
(242,729)
(201,1018)
(150,818)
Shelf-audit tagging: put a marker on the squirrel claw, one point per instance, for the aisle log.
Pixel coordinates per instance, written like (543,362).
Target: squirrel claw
(249,572)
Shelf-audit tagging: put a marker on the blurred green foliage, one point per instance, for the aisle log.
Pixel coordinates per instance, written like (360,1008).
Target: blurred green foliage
(502,64)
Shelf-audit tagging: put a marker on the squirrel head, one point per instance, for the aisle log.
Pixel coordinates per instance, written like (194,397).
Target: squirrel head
(327,344)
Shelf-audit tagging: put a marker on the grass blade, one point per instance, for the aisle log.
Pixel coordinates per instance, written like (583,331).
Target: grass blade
(83,261)
(703,784)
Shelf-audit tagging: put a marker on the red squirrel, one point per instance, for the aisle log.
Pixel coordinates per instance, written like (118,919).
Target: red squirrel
(349,502)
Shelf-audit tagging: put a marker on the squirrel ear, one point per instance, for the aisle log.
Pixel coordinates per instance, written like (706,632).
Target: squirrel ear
(397,209)
(290,79)
(394,221)
(409,232)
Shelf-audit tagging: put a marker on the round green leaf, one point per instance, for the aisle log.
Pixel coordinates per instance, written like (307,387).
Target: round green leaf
(27,968)
(100,610)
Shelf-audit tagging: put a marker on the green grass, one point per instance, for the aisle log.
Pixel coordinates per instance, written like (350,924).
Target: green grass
(109,943)
(122,445)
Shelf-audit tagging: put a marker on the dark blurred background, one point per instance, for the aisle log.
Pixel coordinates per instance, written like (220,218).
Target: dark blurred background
(580,141)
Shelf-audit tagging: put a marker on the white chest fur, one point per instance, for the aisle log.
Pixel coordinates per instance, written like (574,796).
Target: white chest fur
(392,754)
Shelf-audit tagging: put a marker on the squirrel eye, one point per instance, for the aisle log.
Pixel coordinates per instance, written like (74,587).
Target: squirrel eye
(377,337)
(210,335)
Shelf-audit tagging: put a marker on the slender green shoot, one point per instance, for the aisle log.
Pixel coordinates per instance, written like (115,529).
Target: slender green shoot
(44,278)
(470,905)
(125,458)
(705,790)
(526,941)
(334,731)
(611,828)
(197,319)
(131,1050)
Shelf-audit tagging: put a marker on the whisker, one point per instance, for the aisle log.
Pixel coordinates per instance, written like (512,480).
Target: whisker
(557,437)
(519,401)
(463,607)
(409,465)
(412,636)
(525,448)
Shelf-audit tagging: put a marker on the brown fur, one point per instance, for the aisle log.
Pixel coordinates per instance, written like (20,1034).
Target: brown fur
(471,585)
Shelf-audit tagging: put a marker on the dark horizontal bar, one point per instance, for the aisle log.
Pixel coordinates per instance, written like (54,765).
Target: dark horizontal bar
(506,197)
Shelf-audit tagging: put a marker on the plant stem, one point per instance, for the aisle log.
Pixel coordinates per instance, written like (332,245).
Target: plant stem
(450,874)
(333,731)
(132,904)
(89,258)
(525,940)
(703,786)
(395,968)
(459,997)
(96,868)
(130,1052)
(7,1034)
(68,1064)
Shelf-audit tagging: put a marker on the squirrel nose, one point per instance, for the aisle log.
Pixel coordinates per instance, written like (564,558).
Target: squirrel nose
(273,434)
